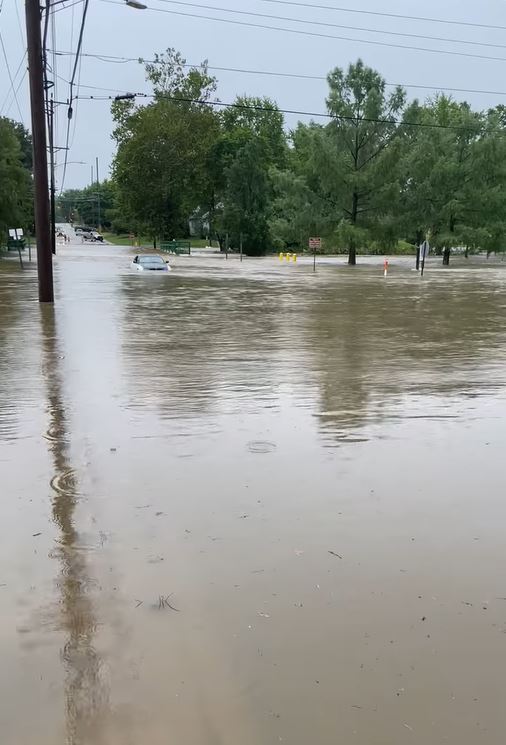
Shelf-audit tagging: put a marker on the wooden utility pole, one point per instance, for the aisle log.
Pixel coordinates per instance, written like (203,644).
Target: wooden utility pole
(51,169)
(99,226)
(42,226)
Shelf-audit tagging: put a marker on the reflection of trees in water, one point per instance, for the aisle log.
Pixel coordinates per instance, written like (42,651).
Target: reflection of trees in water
(85,688)
(375,342)
(194,344)
(191,343)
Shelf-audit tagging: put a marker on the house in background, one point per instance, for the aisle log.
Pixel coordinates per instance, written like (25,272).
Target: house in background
(198,224)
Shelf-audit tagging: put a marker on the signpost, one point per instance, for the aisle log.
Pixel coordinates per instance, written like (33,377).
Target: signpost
(16,238)
(315,243)
(424,252)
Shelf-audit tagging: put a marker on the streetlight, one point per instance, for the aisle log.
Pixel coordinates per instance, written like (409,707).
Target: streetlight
(135,4)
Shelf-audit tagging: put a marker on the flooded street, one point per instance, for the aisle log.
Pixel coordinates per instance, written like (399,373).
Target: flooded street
(246,504)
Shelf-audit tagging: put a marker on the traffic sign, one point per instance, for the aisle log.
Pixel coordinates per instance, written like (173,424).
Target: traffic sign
(315,243)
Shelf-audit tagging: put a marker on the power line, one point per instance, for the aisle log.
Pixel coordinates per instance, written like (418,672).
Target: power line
(17,89)
(64,7)
(297,112)
(19,84)
(10,77)
(335,25)
(268,73)
(71,86)
(387,15)
(318,35)
(75,117)
(54,62)
(23,40)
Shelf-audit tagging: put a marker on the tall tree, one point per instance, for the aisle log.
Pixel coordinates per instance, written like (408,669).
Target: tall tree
(351,163)
(89,206)
(247,199)
(15,181)
(357,155)
(163,148)
(250,125)
(442,176)
(260,119)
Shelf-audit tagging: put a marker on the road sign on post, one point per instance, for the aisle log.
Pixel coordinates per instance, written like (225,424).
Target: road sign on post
(315,243)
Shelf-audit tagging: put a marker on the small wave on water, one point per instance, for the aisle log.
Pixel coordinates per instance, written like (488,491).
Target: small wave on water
(261,446)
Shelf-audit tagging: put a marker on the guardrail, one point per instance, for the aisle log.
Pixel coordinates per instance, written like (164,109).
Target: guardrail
(176,247)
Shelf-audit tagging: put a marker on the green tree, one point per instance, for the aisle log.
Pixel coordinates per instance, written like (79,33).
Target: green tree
(171,78)
(301,207)
(350,164)
(247,199)
(248,120)
(260,119)
(443,175)
(91,206)
(160,167)
(15,180)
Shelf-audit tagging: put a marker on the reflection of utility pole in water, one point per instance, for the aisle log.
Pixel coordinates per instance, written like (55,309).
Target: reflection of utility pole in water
(85,688)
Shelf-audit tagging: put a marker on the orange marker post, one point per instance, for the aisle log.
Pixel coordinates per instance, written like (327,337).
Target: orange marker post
(385,267)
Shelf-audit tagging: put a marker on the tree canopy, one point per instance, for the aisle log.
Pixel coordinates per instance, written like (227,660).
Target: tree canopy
(15,176)
(381,168)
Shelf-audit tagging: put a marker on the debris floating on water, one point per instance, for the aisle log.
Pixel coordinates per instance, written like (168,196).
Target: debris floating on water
(335,554)
(164,602)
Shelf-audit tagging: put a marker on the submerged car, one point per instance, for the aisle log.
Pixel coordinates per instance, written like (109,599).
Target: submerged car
(147,263)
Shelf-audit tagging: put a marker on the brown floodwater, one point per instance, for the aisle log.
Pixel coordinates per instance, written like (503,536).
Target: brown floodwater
(242,503)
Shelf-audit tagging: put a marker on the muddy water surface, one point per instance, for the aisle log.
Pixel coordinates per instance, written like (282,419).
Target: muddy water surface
(246,504)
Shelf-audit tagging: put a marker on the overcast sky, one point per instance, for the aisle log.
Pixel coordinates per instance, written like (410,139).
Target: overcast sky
(115,29)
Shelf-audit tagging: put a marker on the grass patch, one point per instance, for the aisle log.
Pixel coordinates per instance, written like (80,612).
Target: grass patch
(123,239)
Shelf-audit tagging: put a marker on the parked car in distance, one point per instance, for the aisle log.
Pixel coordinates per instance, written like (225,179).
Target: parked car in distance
(96,236)
(150,263)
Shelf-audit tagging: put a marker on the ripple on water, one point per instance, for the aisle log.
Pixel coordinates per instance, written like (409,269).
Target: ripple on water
(65,483)
(261,446)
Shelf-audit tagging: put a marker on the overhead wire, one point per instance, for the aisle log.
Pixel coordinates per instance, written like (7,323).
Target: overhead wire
(9,92)
(21,81)
(326,24)
(74,126)
(65,7)
(71,90)
(270,73)
(54,64)
(23,40)
(14,90)
(319,35)
(297,112)
(384,14)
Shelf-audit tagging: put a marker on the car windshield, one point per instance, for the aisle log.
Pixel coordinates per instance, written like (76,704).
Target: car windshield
(151,260)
